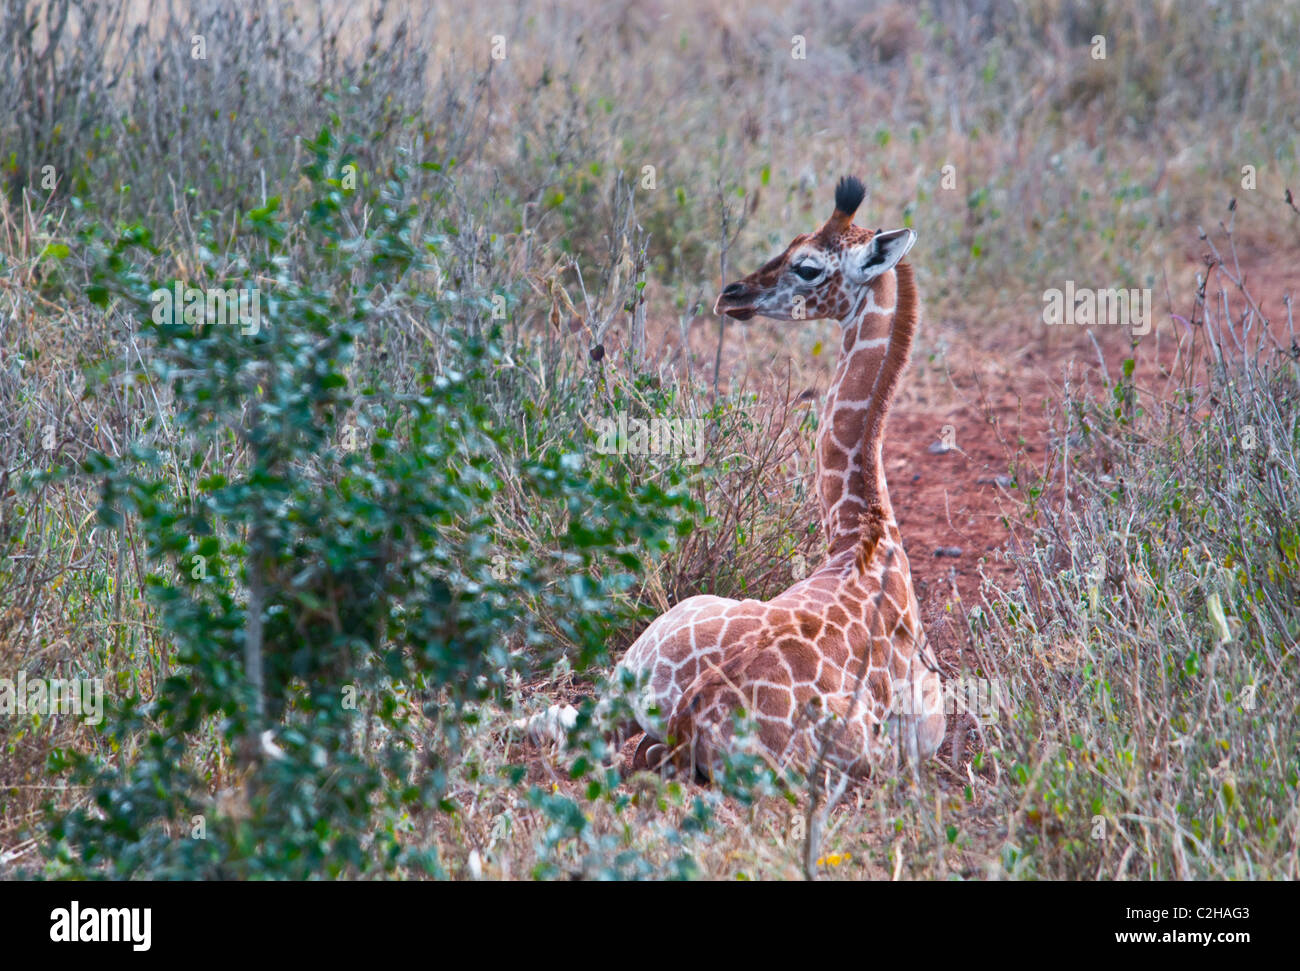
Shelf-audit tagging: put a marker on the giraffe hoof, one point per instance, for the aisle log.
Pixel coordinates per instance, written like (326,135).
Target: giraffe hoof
(656,759)
(641,753)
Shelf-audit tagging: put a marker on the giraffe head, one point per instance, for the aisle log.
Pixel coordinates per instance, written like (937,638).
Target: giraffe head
(820,274)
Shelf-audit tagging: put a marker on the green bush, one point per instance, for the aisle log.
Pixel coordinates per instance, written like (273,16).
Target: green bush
(336,609)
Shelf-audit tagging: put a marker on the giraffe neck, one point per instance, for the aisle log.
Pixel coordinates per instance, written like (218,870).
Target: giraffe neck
(878,332)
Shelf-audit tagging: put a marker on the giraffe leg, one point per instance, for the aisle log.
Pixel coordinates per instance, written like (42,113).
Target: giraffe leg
(551,725)
(918,729)
(930,728)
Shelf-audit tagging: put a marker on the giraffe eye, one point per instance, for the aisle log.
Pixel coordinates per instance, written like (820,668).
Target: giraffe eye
(808,271)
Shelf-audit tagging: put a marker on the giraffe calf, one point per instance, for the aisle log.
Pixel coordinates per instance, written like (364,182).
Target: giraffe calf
(836,670)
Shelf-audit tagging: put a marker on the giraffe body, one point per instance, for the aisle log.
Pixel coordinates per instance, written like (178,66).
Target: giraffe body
(835,670)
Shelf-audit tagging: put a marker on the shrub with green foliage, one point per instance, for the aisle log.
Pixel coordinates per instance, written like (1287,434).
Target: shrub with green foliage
(335,607)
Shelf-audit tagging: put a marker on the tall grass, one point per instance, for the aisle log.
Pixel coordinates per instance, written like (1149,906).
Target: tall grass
(1151,648)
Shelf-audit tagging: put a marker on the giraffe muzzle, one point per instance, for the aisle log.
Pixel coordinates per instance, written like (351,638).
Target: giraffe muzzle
(735,301)
(740,313)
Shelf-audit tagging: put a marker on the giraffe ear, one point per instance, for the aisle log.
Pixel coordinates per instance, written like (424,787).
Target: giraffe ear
(879,255)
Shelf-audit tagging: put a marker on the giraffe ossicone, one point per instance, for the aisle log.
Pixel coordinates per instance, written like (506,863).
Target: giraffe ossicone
(835,671)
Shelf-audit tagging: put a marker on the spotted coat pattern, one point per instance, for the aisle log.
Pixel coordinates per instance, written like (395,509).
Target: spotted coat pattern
(834,671)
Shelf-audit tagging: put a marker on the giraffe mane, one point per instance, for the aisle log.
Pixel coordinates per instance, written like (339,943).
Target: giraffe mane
(871,531)
(872,524)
